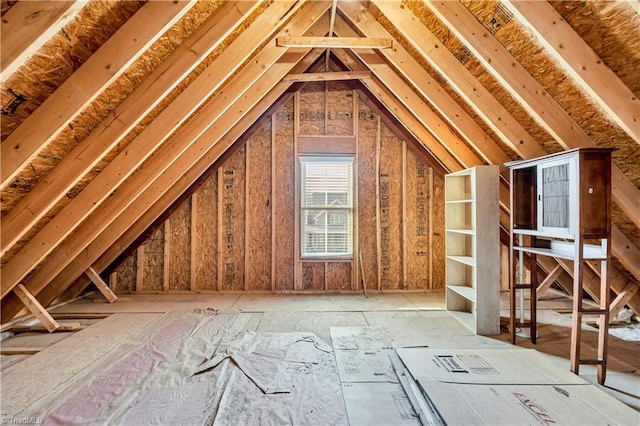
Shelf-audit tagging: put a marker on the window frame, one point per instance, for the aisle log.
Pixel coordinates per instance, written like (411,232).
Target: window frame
(328,211)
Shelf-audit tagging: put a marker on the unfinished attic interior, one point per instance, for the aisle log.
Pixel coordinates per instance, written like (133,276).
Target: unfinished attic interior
(320,212)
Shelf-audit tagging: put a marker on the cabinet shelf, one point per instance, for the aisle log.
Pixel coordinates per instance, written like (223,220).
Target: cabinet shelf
(464,291)
(467,260)
(594,254)
(472,248)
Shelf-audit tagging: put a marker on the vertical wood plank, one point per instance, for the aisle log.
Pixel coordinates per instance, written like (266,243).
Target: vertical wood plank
(296,251)
(404,215)
(140,268)
(167,255)
(355,275)
(431,227)
(194,242)
(274,119)
(378,230)
(113,281)
(220,274)
(247,216)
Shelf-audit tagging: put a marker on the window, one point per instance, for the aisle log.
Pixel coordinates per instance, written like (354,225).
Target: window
(326,206)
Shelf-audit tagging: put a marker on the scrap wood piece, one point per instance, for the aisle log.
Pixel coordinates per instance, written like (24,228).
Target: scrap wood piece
(74,326)
(20,350)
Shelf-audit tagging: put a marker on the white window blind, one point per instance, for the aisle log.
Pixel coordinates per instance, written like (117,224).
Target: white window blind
(326,206)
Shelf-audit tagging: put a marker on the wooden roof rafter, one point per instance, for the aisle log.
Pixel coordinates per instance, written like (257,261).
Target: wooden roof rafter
(125,117)
(581,63)
(79,90)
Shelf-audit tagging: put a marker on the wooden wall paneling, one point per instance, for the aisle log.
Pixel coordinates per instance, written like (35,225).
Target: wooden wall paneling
(340,117)
(340,275)
(92,77)
(180,237)
(367,184)
(153,260)
(297,275)
(206,233)
(390,209)
(126,274)
(232,224)
(139,279)
(111,130)
(312,275)
(284,164)
(113,281)
(193,242)
(273,203)
(258,211)
(416,223)
(437,230)
(311,98)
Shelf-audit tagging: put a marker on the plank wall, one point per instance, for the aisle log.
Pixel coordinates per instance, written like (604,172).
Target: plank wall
(238,231)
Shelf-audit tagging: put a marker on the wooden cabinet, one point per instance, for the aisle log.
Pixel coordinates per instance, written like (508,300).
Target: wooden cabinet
(561,207)
(472,248)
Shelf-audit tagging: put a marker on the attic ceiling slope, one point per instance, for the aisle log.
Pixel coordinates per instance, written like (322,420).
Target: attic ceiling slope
(141,148)
(101,69)
(127,115)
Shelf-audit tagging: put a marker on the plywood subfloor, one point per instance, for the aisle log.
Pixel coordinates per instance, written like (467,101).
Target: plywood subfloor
(408,318)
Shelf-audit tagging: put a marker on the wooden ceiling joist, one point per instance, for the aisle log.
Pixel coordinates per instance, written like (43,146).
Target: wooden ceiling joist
(326,76)
(28,25)
(166,189)
(335,42)
(188,143)
(79,90)
(581,63)
(108,133)
(154,135)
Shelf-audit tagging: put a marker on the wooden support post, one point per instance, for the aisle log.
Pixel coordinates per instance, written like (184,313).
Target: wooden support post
(113,281)
(273,203)
(378,236)
(431,227)
(35,308)
(194,242)
(404,215)
(101,285)
(140,268)
(220,232)
(247,217)
(167,254)
(355,271)
(297,268)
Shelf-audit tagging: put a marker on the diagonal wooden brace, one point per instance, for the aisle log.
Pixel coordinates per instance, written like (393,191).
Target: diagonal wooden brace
(36,308)
(102,286)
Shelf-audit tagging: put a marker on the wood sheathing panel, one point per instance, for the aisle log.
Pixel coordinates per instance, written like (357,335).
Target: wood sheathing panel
(367,227)
(417,222)
(390,209)
(312,100)
(126,275)
(231,216)
(153,262)
(234,216)
(258,210)
(46,70)
(206,234)
(437,248)
(179,239)
(283,197)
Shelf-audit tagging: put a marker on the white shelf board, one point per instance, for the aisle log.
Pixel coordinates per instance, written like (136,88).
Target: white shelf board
(466,318)
(461,201)
(467,260)
(562,254)
(464,291)
(462,231)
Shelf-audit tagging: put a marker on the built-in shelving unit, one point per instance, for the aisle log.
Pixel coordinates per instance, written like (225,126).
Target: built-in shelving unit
(472,247)
(561,208)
